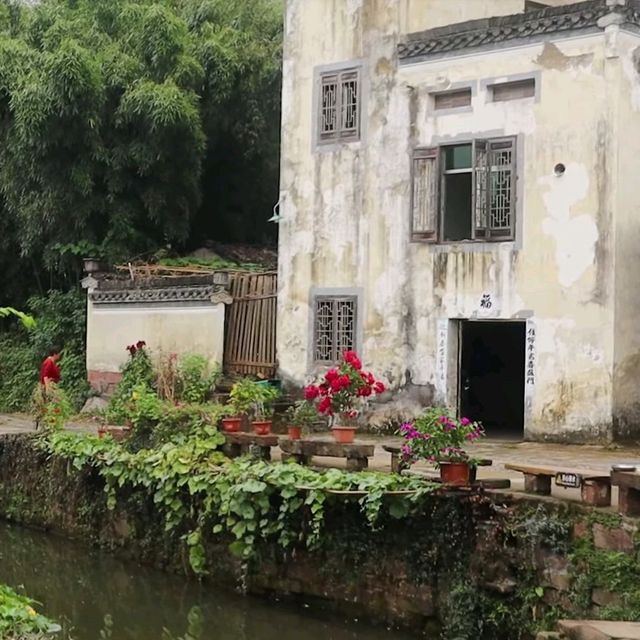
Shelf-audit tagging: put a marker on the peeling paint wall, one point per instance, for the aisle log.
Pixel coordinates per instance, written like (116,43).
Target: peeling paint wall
(345,213)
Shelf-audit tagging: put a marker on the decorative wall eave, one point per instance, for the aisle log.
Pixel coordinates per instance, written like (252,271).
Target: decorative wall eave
(212,294)
(487,33)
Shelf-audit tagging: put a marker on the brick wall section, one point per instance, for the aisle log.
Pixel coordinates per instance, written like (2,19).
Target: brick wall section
(104,382)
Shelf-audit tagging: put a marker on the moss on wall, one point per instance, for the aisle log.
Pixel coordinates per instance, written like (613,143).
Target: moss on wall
(469,566)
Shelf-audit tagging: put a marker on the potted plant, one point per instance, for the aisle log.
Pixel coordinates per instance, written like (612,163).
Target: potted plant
(440,437)
(262,407)
(342,395)
(300,415)
(241,398)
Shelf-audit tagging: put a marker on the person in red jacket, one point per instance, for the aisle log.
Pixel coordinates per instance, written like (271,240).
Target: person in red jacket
(49,370)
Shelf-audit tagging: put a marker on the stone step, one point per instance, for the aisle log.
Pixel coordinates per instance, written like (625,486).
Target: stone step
(599,630)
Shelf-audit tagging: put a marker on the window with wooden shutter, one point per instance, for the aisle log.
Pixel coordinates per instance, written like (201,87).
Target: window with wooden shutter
(335,324)
(339,108)
(502,177)
(424,195)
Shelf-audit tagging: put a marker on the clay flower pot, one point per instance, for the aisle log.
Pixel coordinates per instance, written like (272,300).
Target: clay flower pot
(231,425)
(262,427)
(344,435)
(294,432)
(456,473)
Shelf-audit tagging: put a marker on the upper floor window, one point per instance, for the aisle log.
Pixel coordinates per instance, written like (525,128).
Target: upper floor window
(339,107)
(334,327)
(455,99)
(515,90)
(464,192)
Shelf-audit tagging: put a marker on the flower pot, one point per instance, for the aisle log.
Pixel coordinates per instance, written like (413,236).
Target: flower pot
(231,425)
(262,427)
(294,432)
(456,473)
(344,435)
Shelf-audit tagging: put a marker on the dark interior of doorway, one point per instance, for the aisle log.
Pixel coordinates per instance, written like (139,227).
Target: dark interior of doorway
(492,365)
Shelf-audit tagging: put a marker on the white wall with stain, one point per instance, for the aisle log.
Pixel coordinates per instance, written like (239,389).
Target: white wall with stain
(345,212)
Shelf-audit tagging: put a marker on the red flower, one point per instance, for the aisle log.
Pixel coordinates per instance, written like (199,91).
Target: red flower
(351,357)
(368,377)
(331,375)
(141,344)
(325,405)
(132,349)
(363,392)
(344,381)
(323,389)
(336,384)
(378,387)
(311,392)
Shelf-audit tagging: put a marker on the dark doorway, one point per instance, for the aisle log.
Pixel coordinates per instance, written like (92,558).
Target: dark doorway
(492,360)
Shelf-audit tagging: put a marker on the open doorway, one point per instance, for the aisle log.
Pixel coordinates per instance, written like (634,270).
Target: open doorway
(492,361)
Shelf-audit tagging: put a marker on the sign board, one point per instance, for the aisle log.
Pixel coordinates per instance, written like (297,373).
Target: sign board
(568,480)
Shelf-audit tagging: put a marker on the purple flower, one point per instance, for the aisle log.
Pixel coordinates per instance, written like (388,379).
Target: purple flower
(465,422)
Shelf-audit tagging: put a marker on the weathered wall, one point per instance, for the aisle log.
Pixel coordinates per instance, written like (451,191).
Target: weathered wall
(626,372)
(477,567)
(345,212)
(166,328)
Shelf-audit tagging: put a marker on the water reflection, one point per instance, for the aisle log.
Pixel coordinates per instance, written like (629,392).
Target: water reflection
(96,597)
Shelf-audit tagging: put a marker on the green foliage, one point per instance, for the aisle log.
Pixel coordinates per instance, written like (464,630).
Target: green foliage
(51,406)
(137,374)
(61,319)
(252,397)
(196,378)
(18,617)
(27,321)
(122,121)
(302,414)
(201,493)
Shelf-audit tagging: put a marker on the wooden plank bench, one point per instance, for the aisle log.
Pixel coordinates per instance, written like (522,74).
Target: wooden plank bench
(241,443)
(595,486)
(398,466)
(628,484)
(357,454)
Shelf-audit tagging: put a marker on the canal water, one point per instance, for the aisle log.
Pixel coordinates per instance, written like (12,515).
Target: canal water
(97,597)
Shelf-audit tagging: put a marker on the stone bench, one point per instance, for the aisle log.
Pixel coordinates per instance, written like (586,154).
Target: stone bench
(483,483)
(628,484)
(241,443)
(398,466)
(595,486)
(357,454)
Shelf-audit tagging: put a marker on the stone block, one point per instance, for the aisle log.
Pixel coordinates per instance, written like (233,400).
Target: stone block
(629,501)
(596,493)
(605,598)
(95,404)
(617,539)
(580,529)
(540,485)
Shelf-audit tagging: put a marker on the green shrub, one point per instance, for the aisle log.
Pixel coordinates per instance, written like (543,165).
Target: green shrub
(196,378)
(60,319)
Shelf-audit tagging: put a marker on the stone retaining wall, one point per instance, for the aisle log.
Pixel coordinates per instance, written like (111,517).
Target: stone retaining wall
(471,566)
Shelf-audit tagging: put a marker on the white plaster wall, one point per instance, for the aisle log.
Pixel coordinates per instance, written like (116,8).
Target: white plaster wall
(165,329)
(345,213)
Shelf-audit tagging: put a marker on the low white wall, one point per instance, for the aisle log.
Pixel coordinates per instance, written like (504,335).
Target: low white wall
(166,328)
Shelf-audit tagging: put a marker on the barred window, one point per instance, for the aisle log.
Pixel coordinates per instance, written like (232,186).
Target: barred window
(335,322)
(339,108)
(464,192)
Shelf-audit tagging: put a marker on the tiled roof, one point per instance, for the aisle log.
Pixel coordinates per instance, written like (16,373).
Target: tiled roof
(577,17)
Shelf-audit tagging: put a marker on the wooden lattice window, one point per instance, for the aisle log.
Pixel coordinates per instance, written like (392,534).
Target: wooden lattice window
(335,323)
(464,192)
(339,108)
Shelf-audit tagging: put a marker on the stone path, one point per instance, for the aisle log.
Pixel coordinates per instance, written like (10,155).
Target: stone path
(23,423)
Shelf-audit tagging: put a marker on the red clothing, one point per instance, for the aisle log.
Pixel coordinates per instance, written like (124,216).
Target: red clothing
(49,370)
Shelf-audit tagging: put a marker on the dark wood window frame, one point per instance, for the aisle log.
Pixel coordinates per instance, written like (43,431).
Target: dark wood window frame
(339,105)
(494,191)
(336,332)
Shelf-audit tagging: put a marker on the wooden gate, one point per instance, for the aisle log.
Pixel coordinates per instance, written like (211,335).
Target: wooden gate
(250,327)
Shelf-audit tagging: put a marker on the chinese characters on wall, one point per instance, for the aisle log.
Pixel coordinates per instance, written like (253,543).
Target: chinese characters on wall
(530,356)
(441,356)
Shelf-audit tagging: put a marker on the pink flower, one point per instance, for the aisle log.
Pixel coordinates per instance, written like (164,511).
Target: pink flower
(465,422)
(331,375)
